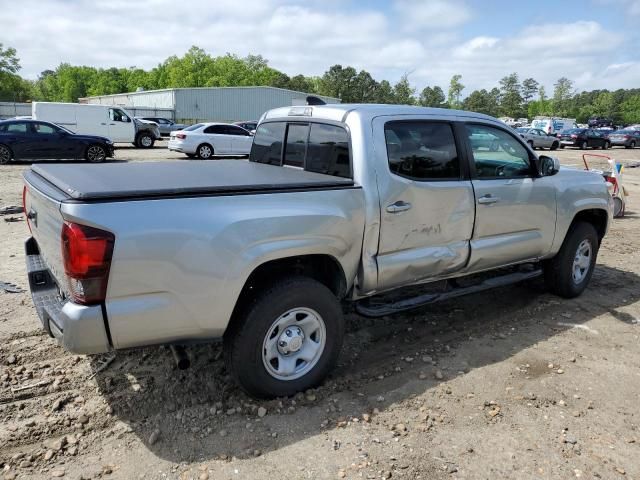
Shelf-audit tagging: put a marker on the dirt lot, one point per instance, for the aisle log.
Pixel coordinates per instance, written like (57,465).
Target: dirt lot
(514,383)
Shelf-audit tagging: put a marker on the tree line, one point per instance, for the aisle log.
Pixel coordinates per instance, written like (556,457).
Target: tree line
(196,68)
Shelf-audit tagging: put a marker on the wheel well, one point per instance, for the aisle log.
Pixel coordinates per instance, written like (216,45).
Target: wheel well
(207,144)
(596,217)
(323,268)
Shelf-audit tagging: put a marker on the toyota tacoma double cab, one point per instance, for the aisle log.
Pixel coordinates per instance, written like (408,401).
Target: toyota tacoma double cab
(336,204)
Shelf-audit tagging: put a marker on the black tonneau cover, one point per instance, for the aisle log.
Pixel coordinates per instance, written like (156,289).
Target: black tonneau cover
(166,179)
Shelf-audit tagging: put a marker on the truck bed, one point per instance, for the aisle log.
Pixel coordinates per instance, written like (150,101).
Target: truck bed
(121,181)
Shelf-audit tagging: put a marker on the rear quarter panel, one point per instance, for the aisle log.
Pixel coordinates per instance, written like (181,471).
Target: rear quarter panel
(179,264)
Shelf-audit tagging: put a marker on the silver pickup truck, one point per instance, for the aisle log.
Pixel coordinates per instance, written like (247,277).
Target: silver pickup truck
(339,203)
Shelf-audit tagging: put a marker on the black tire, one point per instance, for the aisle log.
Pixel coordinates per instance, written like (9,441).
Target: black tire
(558,271)
(554,146)
(584,146)
(145,140)
(5,155)
(605,146)
(632,144)
(531,145)
(244,339)
(561,146)
(204,151)
(95,153)
(618,207)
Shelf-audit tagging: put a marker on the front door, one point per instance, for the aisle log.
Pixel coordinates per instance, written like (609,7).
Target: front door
(515,211)
(427,207)
(121,127)
(241,140)
(216,136)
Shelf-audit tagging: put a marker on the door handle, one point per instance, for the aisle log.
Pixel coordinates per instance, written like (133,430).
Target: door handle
(399,206)
(488,199)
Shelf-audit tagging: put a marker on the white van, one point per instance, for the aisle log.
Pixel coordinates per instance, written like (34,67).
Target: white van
(110,122)
(553,124)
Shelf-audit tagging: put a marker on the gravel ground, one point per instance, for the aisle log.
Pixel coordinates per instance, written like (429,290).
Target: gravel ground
(513,383)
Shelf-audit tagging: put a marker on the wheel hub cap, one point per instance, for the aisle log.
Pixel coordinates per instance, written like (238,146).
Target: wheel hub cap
(582,261)
(290,340)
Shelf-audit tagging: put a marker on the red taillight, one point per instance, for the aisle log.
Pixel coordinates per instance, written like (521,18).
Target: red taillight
(86,253)
(181,136)
(627,137)
(24,206)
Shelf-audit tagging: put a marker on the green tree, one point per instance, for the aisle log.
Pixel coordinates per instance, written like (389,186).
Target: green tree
(12,87)
(433,97)
(384,93)
(9,61)
(562,93)
(529,88)
(339,82)
(403,92)
(630,110)
(483,101)
(455,90)
(511,99)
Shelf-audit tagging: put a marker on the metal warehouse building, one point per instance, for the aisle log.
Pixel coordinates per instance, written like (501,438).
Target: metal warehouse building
(222,104)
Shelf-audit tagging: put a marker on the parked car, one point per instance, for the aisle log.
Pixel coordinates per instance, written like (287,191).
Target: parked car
(584,138)
(35,140)
(165,125)
(625,138)
(337,203)
(204,140)
(599,122)
(537,138)
(249,126)
(105,121)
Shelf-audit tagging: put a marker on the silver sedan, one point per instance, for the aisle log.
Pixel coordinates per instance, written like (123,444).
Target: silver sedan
(537,138)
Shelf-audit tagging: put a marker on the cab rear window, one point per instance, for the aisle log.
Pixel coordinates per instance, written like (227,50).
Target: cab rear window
(315,147)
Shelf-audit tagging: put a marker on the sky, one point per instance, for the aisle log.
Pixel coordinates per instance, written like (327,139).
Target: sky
(595,43)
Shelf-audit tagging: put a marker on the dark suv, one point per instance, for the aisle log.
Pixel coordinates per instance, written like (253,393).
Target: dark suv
(599,122)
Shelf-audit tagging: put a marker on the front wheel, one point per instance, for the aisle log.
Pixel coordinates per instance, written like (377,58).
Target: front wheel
(145,140)
(568,273)
(95,154)
(5,155)
(605,146)
(554,146)
(583,146)
(205,151)
(286,340)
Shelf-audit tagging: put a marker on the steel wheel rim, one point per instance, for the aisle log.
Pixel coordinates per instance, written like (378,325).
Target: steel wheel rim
(5,155)
(294,344)
(582,261)
(145,141)
(205,152)
(95,154)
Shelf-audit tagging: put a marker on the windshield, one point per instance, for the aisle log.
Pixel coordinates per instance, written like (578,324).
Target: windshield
(193,127)
(575,130)
(625,132)
(64,128)
(522,130)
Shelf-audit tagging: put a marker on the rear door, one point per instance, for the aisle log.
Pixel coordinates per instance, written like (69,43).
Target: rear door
(240,140)
(18,137)
(426,200)
(217,137)
(515,210)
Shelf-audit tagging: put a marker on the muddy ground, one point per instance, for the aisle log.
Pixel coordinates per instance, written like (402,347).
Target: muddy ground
(514,383)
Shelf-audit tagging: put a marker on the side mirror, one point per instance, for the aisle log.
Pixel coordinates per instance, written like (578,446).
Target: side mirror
(126,119)
(548,165)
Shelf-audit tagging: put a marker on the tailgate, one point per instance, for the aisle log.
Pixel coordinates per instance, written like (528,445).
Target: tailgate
(42,205)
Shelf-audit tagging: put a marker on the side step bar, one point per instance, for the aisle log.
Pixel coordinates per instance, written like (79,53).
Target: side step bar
(365,308)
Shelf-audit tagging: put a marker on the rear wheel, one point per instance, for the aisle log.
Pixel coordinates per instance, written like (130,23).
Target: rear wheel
(286,340)
(618,207)
(95,154)
(531,145)
(605,145)
(5,155)
(205,151)
(583,146)
(632,144)
(568,273)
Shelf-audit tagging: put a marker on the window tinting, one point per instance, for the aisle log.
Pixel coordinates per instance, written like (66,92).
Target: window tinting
(17,128)
(296,144)
(496,154)
(422,150)
(44,128)
(233,130)
(267,143)
(216,129)
(328,150)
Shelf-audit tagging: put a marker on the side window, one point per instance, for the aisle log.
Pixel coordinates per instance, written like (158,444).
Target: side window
(421,150)
(241,132)
(328,151)
(296,144)
(215,129)
(17,128)
(43,128)
(496,154)
(267,143)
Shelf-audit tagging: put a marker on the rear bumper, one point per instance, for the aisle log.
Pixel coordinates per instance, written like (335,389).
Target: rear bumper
(78,328)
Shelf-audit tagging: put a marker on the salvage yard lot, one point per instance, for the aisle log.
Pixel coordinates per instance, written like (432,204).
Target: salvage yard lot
(512,383)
